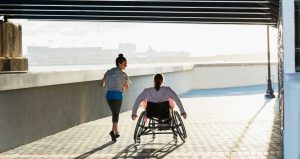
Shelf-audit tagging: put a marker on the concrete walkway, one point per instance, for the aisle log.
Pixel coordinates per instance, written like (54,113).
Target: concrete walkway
(237,127)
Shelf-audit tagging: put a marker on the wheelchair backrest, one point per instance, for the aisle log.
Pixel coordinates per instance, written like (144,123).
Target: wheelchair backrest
(159,110)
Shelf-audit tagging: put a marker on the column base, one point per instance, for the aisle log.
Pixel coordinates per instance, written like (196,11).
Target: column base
(19,64)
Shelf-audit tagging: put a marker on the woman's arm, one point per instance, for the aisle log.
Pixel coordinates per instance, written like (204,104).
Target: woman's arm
(103,80)
(126,84)
(137,102)
(126,81)
(178,102)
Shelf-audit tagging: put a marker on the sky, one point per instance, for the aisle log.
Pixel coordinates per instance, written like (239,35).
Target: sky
(197,39)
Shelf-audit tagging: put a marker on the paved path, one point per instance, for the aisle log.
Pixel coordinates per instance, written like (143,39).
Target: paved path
(224,127)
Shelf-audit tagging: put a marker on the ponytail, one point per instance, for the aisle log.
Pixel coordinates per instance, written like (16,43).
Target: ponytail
(158,79)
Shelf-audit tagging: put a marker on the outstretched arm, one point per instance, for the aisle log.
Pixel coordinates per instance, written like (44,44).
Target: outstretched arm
(137,102)
(178,102)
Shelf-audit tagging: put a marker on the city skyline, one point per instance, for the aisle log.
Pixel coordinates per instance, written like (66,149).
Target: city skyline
(196,39)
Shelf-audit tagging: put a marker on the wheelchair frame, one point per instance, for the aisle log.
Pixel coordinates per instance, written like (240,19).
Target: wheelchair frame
(152,125)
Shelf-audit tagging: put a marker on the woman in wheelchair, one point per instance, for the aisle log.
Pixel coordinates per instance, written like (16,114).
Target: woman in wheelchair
(159,110)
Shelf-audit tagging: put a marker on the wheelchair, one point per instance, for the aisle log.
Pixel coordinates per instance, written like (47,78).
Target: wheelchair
(159,118)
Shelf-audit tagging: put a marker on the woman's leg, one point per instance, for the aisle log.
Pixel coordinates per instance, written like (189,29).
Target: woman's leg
(115,107)
(115,127)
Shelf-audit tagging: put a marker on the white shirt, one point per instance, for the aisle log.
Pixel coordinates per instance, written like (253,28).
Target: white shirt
(152,95)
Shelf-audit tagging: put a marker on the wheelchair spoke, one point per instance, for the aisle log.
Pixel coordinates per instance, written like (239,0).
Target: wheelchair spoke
(152,127)
(180,126)
(139,128)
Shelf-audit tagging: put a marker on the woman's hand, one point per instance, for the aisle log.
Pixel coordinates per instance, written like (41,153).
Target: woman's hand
(102,82)
(133,116)
(183,114)
(125,86)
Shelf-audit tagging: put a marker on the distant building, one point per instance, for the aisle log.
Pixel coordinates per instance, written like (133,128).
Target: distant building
(38,55)
(127,48)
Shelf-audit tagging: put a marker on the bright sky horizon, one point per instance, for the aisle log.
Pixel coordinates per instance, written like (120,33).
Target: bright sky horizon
(197,39)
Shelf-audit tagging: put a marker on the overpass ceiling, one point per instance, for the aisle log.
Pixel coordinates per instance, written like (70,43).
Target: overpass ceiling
(258,12)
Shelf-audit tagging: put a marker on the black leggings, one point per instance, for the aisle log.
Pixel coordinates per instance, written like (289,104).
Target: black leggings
(115,106)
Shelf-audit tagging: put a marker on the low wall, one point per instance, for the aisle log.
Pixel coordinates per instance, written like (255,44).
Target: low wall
(222,75)
(36,104)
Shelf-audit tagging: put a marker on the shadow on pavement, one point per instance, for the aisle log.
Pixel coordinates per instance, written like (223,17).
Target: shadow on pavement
(275,146)
(248,126)
(148,150)
(87,154)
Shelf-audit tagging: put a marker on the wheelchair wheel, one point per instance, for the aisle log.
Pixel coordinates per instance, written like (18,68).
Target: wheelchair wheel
(139,128)
(152,124)
(179,126)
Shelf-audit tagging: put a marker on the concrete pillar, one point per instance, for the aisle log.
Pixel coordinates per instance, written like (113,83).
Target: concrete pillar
(11,58)
(288,35)
(291,84)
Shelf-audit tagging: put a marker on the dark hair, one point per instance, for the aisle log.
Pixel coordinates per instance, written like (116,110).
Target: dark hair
(158,79)
(120,59)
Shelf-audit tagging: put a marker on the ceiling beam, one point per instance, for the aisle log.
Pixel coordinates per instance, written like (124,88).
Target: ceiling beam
(189,11)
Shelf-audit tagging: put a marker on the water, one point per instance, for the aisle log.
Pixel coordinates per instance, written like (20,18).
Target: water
(68,68)
(254,89)
(98,67)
